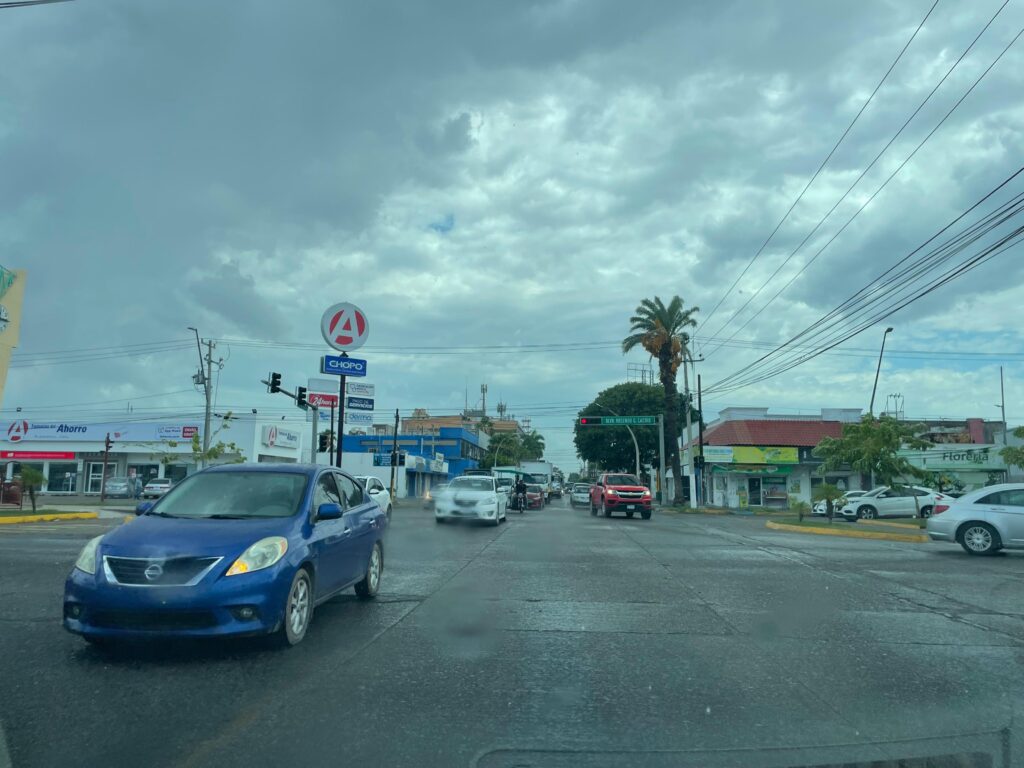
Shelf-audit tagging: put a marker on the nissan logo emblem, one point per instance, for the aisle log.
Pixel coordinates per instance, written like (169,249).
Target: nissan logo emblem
(153,571)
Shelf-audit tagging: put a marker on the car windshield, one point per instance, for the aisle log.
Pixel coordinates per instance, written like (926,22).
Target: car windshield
(621,480)
(472,484)
(159,481)
(118,480)
(235,494)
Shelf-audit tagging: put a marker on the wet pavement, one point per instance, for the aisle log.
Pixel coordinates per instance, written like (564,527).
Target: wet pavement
(557,639)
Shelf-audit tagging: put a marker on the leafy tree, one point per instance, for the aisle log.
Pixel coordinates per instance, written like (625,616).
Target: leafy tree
(216,451)
(612,447)
(575,477)
(31,481)
(661,330)
(830,494)
(870,446)
(798,505)
(485,425)
(533,446)
(505,449)
(1013,455)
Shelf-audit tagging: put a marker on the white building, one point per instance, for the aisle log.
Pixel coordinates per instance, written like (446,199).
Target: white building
(70,454)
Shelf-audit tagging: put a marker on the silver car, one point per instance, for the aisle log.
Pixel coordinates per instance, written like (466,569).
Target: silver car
(118,486)
(982,521)
(580,495)
(156,487)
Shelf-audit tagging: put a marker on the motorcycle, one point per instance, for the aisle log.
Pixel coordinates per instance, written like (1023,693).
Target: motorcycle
(521,502)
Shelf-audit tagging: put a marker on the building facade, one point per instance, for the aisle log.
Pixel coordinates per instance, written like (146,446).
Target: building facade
(70,455)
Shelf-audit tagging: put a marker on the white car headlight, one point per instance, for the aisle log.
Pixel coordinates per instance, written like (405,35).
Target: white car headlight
(86,561)
(612,492)
(263,554)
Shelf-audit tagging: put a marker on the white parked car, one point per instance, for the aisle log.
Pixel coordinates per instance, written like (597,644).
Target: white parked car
(580,495)
(819,506)
(982,521)
(156,487)
(377,492)
(893,502)
(471,497)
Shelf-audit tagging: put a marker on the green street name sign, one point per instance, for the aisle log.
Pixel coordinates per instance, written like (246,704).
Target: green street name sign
(618,421)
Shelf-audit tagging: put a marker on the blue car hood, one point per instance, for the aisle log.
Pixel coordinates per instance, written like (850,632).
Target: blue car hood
(151,536)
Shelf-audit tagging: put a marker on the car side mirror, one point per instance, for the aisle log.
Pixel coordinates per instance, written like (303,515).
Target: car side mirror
(374,491)
(143,508)
(328,511)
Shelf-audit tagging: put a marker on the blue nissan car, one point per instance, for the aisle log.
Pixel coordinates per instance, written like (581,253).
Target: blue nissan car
(240,549)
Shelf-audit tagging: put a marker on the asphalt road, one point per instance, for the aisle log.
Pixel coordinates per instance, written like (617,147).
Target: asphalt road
(558,639)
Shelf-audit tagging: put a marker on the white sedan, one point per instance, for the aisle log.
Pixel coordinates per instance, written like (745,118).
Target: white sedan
(902,501)
(377,492)
(473,497)
(982,521)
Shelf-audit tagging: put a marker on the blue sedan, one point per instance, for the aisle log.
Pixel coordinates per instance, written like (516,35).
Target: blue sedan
(240,549)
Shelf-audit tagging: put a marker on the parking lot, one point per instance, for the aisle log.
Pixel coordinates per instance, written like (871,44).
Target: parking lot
(558,635)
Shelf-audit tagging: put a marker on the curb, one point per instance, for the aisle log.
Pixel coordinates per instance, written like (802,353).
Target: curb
(906,537)
(12,519)
(906,526)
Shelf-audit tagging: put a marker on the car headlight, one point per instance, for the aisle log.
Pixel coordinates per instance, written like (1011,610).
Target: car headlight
(612,492)
(646,493)
(263,554)
(86,561)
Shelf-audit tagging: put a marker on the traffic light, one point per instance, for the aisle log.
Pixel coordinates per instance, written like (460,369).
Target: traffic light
(300,397)
(275,382)
(590,421)
(108,443)
(325,443)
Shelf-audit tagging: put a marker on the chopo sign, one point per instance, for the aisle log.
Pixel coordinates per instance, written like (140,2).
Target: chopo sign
(344,327)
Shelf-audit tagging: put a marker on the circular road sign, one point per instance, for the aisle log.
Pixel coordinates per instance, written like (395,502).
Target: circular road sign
(344,327)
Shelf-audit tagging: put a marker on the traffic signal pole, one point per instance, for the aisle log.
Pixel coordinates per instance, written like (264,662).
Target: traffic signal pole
(314,443)
(661,455)
(394,454)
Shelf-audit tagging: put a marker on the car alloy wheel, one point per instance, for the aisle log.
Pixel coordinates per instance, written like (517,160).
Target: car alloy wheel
(868,513)
(298,608)
(371,581)
(926,511)
(980,539)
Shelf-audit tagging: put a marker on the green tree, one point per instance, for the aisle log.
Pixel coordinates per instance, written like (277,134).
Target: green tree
(532,446)
(870,446)
(1013,455)
(216,451)
(31,481)
(830,494)
(662,330)
(505,449)
(611,447)
(575,477)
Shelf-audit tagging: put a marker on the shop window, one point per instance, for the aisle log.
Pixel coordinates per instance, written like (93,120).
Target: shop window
(62,478)
(177,472)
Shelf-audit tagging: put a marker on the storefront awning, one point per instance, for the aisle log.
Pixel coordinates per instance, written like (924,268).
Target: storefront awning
(752,469)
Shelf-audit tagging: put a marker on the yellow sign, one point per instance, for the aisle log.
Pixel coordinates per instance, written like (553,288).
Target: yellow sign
(755,454)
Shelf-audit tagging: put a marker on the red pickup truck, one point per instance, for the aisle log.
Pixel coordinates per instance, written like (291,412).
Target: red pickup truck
(614,491)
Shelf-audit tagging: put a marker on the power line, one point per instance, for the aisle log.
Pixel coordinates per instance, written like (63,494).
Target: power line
(820,167)
(884,184)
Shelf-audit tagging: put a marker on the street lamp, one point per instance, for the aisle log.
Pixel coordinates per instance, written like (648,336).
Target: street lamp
(871,408)
(636,445)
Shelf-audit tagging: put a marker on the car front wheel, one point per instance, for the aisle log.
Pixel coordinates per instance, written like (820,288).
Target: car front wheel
(867,512)
(368,587)
(298,608)
(980,539)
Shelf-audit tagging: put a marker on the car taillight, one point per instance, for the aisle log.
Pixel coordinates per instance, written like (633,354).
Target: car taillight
(938,509)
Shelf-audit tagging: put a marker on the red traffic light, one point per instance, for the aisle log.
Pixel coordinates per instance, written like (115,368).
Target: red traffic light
(590,421)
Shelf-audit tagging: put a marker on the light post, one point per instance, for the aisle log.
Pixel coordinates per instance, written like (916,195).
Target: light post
(636,445)
(871,408)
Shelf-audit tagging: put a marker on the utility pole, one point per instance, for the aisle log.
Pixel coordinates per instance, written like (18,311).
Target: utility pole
(208,391)
(394,455)
(316,435)
(700,439)
(341,413)
(661,456)
(1002,403)
(688,451)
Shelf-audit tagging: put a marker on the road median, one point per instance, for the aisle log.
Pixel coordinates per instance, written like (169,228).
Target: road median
(847,532)
(46,517)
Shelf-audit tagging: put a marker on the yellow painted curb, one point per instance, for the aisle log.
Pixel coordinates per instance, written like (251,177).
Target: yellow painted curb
(890,525)
(847,533)
(12,519)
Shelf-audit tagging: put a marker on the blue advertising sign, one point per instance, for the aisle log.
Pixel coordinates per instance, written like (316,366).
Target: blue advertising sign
(359,403)
(342,366)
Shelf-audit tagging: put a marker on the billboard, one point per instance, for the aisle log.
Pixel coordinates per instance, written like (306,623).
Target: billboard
(20,430)
(751,454)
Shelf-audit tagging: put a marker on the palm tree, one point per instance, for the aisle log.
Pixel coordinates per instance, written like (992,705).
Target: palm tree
(661,330)
(533,445)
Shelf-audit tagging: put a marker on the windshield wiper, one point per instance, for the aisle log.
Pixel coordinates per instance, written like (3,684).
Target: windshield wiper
(226,517)
(160,514)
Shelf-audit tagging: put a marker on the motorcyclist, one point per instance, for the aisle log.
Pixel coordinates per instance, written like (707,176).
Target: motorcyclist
(519,492)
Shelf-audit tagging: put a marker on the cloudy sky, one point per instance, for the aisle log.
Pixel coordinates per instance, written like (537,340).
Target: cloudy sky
(484,175)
